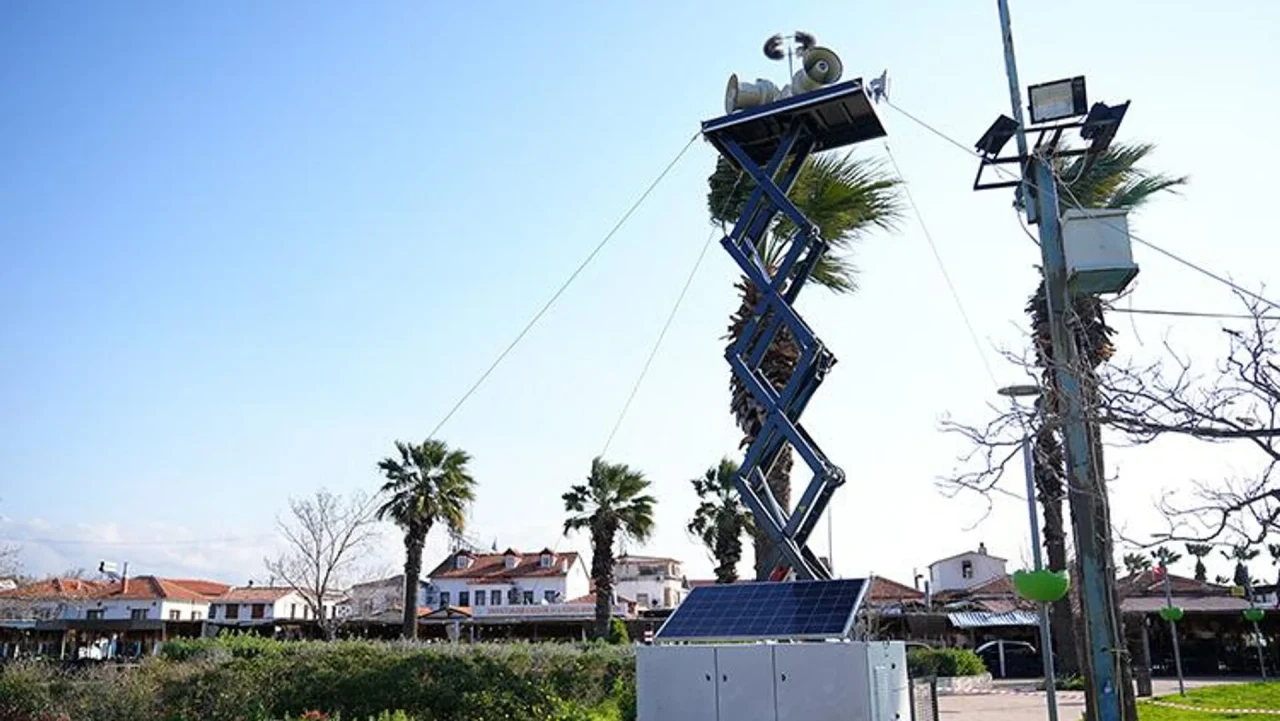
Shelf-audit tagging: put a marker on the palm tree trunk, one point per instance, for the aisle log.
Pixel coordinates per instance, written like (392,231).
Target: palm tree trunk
(602,574)
(779,480)
(414,539)
(728,551)
(1047,467)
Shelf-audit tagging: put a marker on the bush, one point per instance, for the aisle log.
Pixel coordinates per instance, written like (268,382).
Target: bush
(944,662)
(618,633)
(243,678)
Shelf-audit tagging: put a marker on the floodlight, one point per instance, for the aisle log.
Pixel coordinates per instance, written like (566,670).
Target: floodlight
(1057,100)
(996,136)
(1101,124)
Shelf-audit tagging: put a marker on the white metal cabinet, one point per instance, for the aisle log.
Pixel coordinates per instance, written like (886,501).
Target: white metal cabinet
(820,682)
(745,685)
(676,682)
(889,687)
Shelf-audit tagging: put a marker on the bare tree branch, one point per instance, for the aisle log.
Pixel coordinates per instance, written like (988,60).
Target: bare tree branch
(324,536)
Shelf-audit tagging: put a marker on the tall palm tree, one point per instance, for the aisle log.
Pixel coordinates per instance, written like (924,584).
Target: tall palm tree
(1165,556)
(721,518)
(1136,563)
(1115,179)
(1274,550)
(1242,553)
(1199,551)
(847,199)
(426,484)
(612,504)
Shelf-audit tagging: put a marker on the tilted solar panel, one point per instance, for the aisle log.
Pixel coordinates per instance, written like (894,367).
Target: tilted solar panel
(761,611)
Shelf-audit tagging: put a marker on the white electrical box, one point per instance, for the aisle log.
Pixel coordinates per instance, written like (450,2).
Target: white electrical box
(1098,249)
(803,681)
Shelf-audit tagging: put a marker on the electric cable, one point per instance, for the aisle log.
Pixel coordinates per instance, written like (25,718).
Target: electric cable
(942,267)
(1192,314)
(662,334)
(563,287)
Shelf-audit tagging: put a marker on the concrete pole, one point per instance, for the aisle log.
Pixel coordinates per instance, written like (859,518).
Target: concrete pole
(1091,528)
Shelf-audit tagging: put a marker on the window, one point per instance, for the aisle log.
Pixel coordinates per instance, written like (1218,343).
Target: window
(306,612)
(966,569)
(480,597)
(642,599)
(464,598)
(258,610)
(546,560)
(232,612)
(495,598)
(175,615)
(444,599)
(549,596)
(213,611)
(138,614)
(528,598)
(196,616)
(293,610)
(513,597)
(93,614)
(333,612)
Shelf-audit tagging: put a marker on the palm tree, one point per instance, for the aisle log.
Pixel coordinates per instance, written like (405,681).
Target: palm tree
(1242,553)
(1165,556)
(612,504)
(721,519)
(1274,550)
(1200,550)
(1136,563)
(847,199)
(1115,179)
(426,484)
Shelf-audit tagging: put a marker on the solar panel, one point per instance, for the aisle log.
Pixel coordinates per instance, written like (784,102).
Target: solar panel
(754,611)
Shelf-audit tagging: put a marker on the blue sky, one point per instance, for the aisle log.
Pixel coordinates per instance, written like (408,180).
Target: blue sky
(248,245)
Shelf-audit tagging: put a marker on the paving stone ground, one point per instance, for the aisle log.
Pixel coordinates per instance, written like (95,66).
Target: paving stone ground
(1009,703)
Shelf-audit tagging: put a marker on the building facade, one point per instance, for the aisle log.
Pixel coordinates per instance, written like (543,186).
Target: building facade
(966,570)
(373,598)
(652,582)
(263,606)
(510,578)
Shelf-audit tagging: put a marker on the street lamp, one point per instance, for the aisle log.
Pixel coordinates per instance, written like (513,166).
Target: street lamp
(1046,638)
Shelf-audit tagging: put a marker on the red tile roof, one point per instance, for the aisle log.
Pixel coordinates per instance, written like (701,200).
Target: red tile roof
(55,588)
(591,599)
(201,586)
(490,567)
(254,594)
(150,587)
(884,589)
(1148,583)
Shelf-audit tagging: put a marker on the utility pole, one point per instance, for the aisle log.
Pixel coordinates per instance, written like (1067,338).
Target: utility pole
(1086,493)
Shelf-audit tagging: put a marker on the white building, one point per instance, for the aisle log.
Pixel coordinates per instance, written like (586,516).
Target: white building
(965,570)
(148,598)
(372,598)
(652,582)
(259,605)
(475,580)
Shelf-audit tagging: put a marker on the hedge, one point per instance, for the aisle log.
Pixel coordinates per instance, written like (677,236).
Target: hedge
(258,679)
(923,662)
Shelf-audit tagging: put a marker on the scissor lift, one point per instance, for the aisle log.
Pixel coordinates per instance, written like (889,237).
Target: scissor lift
(770,144)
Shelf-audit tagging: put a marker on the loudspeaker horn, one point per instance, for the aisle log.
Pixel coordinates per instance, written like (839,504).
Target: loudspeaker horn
(739,95)
(821,67)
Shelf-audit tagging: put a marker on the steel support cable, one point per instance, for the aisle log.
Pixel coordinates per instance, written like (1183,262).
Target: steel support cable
(563,287)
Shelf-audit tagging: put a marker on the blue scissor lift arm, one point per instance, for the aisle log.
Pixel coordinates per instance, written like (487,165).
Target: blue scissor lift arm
(770,144)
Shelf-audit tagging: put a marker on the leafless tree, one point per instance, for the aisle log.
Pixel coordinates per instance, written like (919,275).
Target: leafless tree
(324,536)
(10,560)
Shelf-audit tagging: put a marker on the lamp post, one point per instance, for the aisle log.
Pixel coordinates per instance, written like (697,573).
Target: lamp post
(1046,638)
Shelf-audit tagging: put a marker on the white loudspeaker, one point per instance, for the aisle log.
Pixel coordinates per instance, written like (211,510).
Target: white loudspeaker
(821,67)
(739,95)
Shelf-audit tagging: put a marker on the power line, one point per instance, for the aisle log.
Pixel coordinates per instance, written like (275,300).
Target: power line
(563,287)
(1192,314)
(955,295)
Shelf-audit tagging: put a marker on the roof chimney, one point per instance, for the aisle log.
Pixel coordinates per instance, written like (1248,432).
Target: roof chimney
(982,548)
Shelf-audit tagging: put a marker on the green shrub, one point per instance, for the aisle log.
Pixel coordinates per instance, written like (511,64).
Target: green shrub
(618,633)
(247,678)
(944,662)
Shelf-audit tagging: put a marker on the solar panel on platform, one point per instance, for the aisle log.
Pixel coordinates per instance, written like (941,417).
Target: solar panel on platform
(754,611)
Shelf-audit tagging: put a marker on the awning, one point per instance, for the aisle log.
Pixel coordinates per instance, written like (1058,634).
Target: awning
(984,619)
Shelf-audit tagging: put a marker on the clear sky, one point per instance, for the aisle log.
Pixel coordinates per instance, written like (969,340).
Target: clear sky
(248,245)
